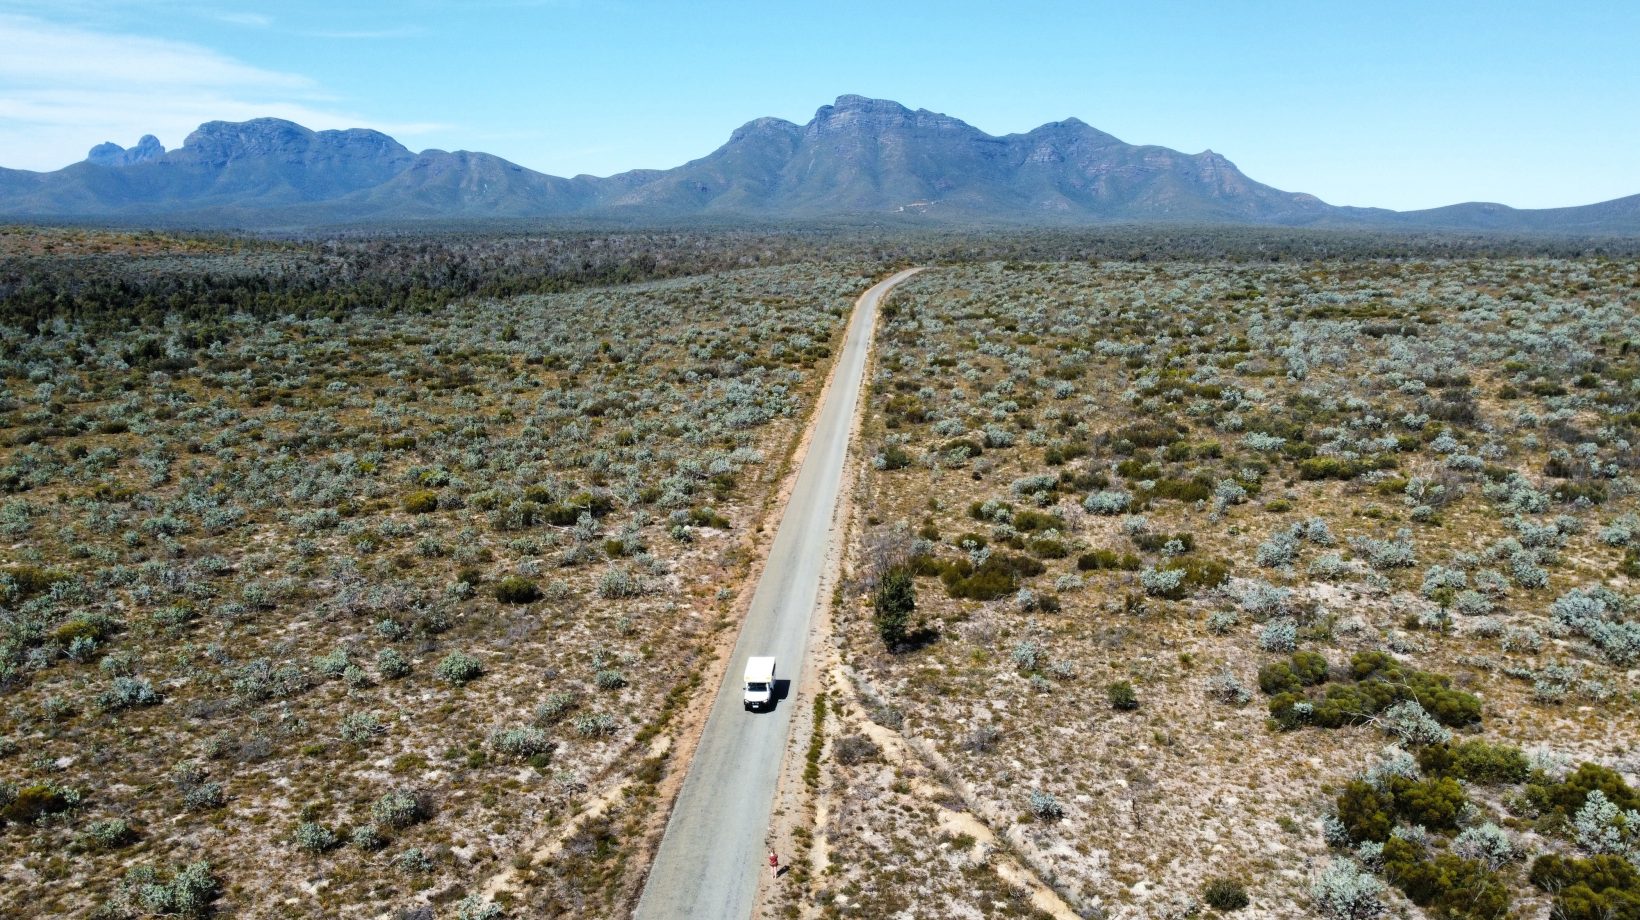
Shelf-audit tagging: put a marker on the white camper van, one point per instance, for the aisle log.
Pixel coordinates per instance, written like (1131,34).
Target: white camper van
(759,683)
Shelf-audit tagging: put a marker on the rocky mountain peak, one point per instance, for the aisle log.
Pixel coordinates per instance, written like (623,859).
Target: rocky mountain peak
(112,154)
(222,141)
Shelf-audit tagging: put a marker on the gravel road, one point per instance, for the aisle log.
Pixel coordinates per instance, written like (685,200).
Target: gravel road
(713,849)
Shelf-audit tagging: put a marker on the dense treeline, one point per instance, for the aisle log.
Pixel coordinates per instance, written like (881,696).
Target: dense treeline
(203,279)
(100,276)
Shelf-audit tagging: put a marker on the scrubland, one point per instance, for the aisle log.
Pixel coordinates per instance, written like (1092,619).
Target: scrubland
(350,614)
(1294,588)
(1287,574)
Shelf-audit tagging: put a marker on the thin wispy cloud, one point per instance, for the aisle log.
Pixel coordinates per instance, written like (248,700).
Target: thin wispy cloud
(253,20)
(65,88)
(369,34)
(39,53)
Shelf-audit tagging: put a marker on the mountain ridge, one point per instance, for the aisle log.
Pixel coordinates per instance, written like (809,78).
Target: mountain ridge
(857,156)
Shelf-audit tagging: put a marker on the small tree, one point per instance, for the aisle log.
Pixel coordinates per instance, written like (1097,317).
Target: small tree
(893,603)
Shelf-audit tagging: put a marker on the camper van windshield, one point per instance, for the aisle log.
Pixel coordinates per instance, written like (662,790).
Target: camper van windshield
(756,687)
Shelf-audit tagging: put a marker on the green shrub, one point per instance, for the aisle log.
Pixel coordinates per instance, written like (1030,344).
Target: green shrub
(31,803)
(515,589)
(1433,803)
(1630,565)
(1199,489)
(596,504)
(1567,796)
(1365,811)
(1316,468)
(1029,521)
(893,457)
(706,517)
(30,580)
(422,501)
(1121,695)
(1369,812)
(1380,682)
(1102,559)
(997,576)
(1044,548)
(1310,668)
(1475,762)
(93,626)
(1225,894)
(1202,573)
(1149,434)
(1447,885)
(1277,677)
(1598,888)
(1153,542)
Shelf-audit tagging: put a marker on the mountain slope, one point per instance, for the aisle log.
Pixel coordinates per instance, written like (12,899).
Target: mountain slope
(858,156)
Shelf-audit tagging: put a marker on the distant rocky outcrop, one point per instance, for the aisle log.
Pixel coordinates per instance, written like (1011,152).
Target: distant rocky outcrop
(855,157)
(112,154)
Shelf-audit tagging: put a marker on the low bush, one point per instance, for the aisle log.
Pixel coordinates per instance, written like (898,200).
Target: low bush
(521,742)
(1567,796)
(1598,888)
(1369,812)
(855,749)
(314,837)
(421,501)
(997,576)
(1199,489)
(515,589)
(1122,696)
(1044,548)
(1447,885)
(399,809)
(188,893)
(458,668)
(1379,682)
(1316,468)
(1106,559)
(1304,669)
(31,803)
(1225,894)
(1029,521)
(1476,762)
(1155,542)
(110,834)
(1045,806)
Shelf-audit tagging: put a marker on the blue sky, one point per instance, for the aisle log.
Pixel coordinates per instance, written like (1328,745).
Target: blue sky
(1394,104)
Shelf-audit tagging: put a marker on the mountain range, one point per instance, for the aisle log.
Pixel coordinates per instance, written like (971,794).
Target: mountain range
(858,157)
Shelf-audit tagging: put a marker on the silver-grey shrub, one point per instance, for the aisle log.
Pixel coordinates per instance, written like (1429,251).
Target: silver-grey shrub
(1344,892)
(1107,502)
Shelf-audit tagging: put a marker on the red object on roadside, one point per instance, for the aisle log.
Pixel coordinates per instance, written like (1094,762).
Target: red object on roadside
(774,860)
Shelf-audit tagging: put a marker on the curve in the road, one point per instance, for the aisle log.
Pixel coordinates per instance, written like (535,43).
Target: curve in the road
(710,856)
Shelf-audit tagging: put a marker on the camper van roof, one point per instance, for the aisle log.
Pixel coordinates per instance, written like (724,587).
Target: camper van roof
(761,669)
